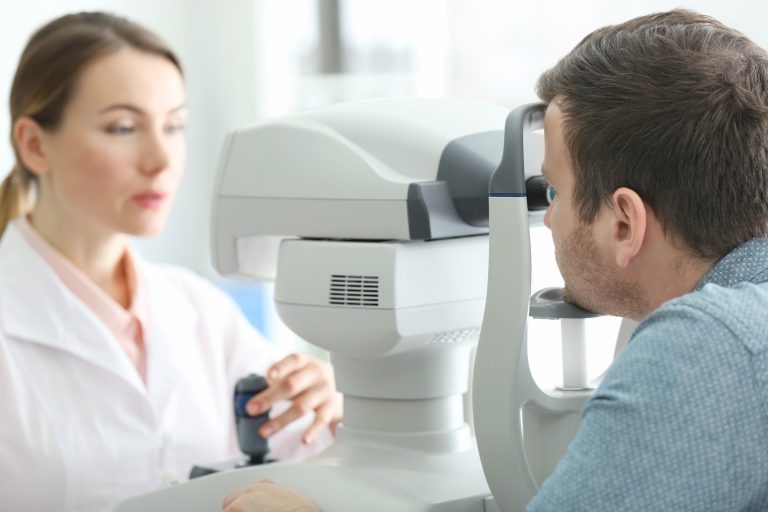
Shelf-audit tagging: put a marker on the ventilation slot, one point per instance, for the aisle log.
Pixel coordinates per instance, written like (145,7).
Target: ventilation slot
(454,337)
(349,290)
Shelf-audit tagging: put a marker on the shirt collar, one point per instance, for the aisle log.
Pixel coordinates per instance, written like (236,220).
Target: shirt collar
(117,319)
(746,263)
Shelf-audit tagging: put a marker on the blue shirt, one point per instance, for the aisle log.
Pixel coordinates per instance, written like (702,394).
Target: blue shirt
(680,422)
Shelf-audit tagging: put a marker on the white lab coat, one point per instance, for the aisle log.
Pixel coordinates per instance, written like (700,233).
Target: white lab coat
(79,431)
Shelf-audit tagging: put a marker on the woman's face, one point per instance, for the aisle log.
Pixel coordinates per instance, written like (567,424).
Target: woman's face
(115,161)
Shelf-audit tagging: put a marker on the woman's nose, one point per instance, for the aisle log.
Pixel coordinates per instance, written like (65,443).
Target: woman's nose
(156,154)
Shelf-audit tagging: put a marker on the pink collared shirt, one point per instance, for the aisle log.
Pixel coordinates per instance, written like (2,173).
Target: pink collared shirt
(125,324)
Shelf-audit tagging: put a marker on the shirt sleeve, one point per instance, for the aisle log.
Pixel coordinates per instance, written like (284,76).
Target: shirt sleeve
(677,424)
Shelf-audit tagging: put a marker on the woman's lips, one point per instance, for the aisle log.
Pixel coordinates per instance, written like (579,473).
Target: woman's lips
(150,200)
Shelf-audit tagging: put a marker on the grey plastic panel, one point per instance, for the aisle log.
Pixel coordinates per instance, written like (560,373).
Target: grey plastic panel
(509,178)
(466,165)
(432,214)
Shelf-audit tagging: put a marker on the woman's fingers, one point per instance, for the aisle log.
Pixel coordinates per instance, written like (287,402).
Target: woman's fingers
(286,388)
(309,384)
(309,400)
(287,365)
(326,415)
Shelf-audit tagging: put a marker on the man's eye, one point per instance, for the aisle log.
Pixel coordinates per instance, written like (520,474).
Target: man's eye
(551,193)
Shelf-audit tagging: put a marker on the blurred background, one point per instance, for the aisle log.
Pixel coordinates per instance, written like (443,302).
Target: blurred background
(247,60)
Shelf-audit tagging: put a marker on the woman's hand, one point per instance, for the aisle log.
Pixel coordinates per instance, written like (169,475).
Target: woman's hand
(309,384)
(267,495)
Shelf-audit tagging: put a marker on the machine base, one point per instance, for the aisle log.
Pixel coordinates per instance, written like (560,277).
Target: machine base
(345,478)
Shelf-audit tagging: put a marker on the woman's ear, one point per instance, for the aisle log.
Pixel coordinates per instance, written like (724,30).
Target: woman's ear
(629,223)
(29,137)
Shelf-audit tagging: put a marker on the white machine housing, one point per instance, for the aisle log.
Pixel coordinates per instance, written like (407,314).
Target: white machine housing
(366,170)
(386,267)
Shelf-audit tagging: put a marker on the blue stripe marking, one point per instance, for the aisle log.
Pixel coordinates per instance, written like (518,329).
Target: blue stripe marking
(499,194)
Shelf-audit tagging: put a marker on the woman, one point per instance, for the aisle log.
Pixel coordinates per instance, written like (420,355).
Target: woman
(116,375)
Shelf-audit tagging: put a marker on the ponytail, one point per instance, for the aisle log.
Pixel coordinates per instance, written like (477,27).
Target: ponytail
(14,198)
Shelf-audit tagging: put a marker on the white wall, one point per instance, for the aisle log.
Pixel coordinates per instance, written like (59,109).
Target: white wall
(500,47)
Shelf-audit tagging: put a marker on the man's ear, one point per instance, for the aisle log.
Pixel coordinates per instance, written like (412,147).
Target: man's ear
(629,222)
(29,137)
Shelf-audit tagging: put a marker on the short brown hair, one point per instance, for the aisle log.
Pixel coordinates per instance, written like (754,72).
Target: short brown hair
(673,105)
(48,71)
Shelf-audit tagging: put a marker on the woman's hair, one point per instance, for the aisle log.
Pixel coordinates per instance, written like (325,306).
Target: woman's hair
(47,74)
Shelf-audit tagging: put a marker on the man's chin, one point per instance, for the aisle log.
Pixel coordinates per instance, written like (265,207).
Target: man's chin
(624,303)
(572,299)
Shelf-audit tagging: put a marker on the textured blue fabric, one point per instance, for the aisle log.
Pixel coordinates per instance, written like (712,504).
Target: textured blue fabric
(680,422)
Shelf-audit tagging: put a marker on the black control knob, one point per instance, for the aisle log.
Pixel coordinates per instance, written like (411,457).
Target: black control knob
(247,426)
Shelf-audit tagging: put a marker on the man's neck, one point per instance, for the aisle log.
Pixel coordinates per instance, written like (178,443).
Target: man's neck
(676,276)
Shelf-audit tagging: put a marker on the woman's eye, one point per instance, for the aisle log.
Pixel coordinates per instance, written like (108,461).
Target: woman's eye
(174,128)
(551,194)
(121,129)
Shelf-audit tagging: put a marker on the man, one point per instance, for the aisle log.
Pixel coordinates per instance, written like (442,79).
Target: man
(656,137)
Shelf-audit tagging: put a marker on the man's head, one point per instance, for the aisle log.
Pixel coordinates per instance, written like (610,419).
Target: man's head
(664,117)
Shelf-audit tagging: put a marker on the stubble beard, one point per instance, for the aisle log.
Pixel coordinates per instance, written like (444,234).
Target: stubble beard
(592,283)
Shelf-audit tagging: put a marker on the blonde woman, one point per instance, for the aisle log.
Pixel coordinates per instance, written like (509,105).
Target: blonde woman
(116,374)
